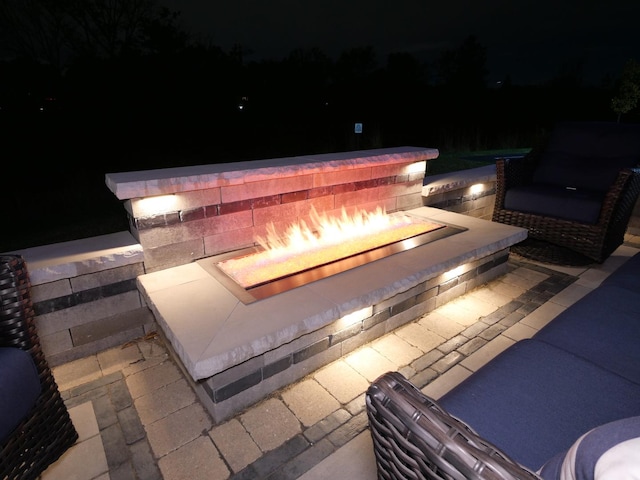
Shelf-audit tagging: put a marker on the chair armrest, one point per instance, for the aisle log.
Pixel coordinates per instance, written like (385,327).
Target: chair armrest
(621,197)
(412,434)
(16,315)
(514,172)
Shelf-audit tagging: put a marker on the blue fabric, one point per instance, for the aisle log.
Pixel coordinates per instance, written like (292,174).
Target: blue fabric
(584,460)
(533,400)
(588,155)
(603,327)
(605,140)
(19,388)
(627,275)
(582,173)
(558,202)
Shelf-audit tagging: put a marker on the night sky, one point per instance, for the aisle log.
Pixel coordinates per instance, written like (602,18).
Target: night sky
(530,40)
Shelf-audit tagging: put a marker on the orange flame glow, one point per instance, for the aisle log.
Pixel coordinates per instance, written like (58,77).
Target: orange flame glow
(328,239)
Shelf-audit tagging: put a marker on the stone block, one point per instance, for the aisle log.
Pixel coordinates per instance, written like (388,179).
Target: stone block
(298,344)
(275,213)
(234,374)
(111,325)
(339,177)
(87,312)
(408,202)
(265,188)
(106,277)
(387,170)
(56,342)
(229,241)
(51,290)
(170,234)
(167,256)
(358,197)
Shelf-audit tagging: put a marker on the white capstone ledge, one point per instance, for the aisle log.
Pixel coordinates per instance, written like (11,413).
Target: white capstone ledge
(211,330)
(146,183)
(446,182)
(48,263)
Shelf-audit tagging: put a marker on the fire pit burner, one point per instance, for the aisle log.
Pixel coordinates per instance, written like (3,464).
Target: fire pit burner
(296,273)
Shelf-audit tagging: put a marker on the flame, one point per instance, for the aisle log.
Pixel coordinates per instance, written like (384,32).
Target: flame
(327,231)
(328,239)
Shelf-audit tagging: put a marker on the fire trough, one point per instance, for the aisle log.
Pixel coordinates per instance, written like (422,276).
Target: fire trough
(238,347)
(259,276)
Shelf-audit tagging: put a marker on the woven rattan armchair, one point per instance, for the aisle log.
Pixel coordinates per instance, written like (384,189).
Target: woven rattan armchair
(47,431)
(577,190)
(414,438)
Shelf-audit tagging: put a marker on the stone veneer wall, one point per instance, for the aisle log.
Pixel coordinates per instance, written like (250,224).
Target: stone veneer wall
(207,210)
(236,388)
(85,295)
(473,192)
(470,192)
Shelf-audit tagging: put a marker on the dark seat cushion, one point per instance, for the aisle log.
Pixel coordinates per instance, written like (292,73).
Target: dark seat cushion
(19,388)
(603,327)
(581,206)
(533,400)
(588,155)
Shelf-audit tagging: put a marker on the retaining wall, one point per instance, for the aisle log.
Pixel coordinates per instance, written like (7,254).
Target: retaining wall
(85,294)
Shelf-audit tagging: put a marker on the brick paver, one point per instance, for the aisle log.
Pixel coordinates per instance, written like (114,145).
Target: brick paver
(309,402)
(227,437)
(341,381)
(270,424)
(154,427)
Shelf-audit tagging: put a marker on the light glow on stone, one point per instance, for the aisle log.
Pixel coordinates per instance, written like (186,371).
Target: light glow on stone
(328,239)
(156,205)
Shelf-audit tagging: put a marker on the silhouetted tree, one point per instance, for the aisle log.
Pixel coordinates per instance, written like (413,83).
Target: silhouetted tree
(57,31)
(34,30)
(629,89)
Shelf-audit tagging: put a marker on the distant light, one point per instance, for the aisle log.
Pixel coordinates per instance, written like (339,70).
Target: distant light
(240,107)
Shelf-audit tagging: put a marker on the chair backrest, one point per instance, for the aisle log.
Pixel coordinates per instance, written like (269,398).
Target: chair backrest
(47,431)
(588,155)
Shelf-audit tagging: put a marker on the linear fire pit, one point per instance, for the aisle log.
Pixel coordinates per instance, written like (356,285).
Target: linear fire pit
(237,353)
(406,233)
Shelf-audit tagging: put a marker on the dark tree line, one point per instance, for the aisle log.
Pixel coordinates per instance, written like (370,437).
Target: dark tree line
(89,87)
(122,76)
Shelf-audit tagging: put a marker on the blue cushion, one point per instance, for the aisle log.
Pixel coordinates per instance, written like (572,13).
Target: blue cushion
(19,388)
(550,201)
(603,327)
(605,140)
(627,275)
(588,155)
(608,452)
(533,400)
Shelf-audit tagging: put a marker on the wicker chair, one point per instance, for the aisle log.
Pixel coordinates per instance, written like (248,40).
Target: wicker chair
(577,190)
(414,438)
(47,431)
